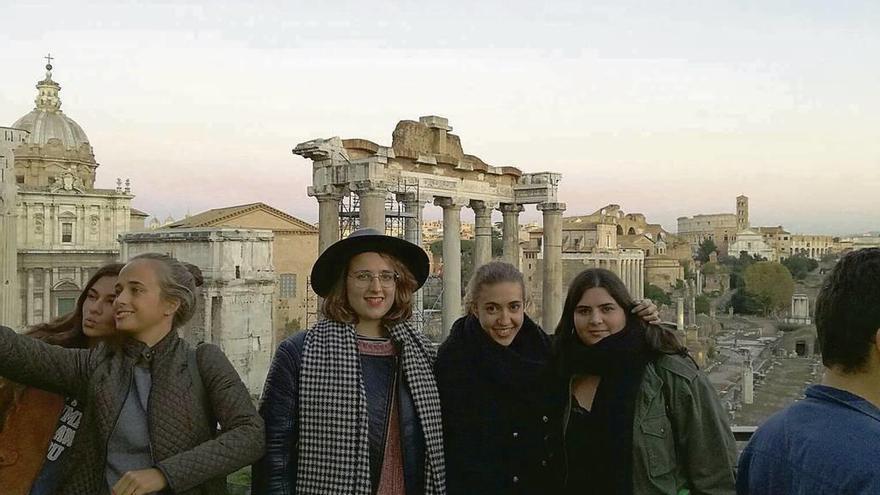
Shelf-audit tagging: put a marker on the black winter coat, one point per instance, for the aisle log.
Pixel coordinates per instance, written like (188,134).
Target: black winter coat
(497,411)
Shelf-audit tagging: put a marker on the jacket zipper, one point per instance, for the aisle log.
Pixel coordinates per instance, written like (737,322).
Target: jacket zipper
(118,414)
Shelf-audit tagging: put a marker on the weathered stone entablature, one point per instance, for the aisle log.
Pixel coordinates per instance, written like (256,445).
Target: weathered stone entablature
(426,157)
(216,264)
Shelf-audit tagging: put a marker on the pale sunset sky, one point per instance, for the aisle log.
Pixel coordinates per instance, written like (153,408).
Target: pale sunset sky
(669,108)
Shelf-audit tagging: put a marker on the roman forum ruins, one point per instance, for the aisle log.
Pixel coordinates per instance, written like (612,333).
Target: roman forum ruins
(425,163)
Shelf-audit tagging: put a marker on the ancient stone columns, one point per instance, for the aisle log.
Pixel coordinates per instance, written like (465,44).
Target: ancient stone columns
(510,232)
(482,233)
(552,299)
(328,218)
(372,204)
(451,261)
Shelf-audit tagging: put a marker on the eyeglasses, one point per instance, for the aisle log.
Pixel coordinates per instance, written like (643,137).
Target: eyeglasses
(364,278)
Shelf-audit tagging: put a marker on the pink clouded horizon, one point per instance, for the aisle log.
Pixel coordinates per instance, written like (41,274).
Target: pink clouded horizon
(667,112)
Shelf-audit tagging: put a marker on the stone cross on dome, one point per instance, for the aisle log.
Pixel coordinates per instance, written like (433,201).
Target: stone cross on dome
(49,59)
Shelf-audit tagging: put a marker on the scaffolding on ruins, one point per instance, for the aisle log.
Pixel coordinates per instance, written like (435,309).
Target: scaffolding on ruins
(397,218)
(311,304)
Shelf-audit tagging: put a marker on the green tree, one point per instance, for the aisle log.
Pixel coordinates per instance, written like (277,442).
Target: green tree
(706,248)
(702,303)
(657,295)
(800,266)
(467,255)
(737,266)
(771,283)
(746,304)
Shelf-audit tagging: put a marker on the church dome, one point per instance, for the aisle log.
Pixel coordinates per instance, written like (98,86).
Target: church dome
(47,121)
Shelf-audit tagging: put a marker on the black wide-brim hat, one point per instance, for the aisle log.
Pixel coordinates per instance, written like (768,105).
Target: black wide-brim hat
(334,260)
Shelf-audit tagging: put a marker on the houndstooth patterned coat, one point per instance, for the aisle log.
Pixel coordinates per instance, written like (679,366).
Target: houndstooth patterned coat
(333,442)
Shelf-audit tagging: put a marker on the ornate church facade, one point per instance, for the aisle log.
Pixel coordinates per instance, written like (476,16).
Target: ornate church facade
(63,227)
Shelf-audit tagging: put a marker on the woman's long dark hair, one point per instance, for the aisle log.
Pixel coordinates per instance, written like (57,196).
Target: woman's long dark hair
(659,339)
(66,330)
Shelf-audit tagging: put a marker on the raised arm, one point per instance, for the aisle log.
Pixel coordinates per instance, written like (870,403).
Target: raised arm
(37,364)
(241,440)
(275,473)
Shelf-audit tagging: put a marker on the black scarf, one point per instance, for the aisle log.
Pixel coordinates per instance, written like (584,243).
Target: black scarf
(620,360)
(616,354)
(517,369)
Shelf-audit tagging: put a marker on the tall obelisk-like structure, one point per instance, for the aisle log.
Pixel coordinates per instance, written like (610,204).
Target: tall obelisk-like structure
(10,315)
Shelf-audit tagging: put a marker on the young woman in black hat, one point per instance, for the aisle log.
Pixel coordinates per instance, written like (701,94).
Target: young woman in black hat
(351,405)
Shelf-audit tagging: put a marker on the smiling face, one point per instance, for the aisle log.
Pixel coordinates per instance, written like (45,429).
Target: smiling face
(139,305)
(597,315)
(499,307)
(370,302)
(97,311)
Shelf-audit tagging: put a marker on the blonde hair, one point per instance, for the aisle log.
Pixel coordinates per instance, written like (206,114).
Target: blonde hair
(493,272)
(177,282)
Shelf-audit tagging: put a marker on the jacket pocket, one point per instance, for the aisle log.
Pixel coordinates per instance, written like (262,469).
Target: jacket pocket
(657,434)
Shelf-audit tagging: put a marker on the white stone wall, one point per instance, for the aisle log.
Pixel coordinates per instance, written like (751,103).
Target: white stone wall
(97,218)
(9,292)
(236,300)
(752,243)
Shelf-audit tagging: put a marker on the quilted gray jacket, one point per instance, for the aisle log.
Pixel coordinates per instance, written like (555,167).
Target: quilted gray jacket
(194,458)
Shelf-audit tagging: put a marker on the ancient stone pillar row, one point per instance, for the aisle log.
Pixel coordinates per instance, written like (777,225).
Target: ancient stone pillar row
(510,232)
(482,233)
(451,261)
(679,313)
(328,219)
(372,204)
(552,300)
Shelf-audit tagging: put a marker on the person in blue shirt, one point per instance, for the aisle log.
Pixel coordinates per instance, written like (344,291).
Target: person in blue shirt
(829,443)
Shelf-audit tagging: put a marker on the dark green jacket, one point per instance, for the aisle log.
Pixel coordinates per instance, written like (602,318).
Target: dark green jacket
(682,442)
